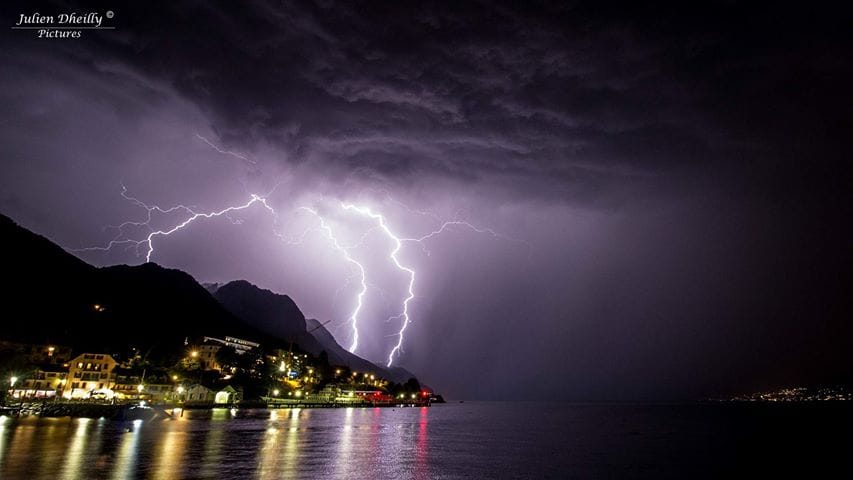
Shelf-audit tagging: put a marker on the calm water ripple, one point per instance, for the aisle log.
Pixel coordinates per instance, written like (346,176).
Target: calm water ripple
(471,440)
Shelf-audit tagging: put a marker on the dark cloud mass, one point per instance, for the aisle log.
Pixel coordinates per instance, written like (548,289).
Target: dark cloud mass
(669,179)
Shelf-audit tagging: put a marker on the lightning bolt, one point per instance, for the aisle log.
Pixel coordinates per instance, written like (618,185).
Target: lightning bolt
(148,243)
(445,225)
(398,244)
(225,152)
(448,224)
(327,230)
(149,239)
(149,210)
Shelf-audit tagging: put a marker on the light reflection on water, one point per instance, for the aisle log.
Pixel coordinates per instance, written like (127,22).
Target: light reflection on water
(125,458)
(263,444)
(170,453)
(76,449)
(484,440)
(342,459)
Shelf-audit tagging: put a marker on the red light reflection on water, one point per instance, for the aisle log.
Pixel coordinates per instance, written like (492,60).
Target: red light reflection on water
(422,446)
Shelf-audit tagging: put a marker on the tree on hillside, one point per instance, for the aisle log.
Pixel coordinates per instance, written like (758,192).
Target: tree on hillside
(228,359)
(412,385)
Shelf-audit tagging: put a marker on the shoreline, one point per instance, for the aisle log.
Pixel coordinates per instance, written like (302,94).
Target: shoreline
(135,411)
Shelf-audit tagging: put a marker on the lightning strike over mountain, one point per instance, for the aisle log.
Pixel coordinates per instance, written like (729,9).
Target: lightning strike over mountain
(148,239)
(398,244)
(345,252)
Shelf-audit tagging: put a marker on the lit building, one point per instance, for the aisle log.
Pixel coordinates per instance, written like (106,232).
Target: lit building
(46,381)
(227,396)
(207,355)
(90,375)
(327,395)
(206,352)
(290,365)
(238,344)
(127,382)
(157,392)
(197,393)
(133,384)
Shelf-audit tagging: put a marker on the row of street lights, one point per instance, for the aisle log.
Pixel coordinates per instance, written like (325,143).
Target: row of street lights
(276,392)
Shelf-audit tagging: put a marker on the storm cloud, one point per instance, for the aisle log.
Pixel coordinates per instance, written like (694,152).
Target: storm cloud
(669,180)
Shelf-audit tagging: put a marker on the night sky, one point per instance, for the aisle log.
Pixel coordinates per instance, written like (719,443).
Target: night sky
(668,182)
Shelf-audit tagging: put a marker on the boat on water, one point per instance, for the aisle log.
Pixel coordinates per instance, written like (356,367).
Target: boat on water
(140,412)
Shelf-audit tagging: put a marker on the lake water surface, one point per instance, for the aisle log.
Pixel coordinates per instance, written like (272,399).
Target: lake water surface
(460,440)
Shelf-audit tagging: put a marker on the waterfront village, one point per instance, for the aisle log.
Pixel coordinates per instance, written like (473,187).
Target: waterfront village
(209,372)
(832,393)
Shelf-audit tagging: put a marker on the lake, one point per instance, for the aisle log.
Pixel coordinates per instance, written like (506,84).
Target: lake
(457,440)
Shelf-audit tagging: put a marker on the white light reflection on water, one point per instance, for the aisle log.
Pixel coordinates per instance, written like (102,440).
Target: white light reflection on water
(214,442)
(56,451)
(291,447)
(21,438)
(2,437)
(268,462)
(125,459)
(74,457)
(171,452)
(344,454)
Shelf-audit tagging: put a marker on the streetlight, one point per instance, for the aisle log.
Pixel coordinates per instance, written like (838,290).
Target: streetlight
(13,381)
(275,393)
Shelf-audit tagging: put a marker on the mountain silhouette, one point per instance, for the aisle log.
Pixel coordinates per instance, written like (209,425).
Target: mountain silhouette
(278,315)
(51,296)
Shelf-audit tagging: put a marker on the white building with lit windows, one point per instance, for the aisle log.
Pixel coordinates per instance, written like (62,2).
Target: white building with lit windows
(90,375)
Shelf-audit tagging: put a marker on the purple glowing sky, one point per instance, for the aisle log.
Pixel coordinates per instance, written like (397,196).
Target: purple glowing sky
(665,183)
